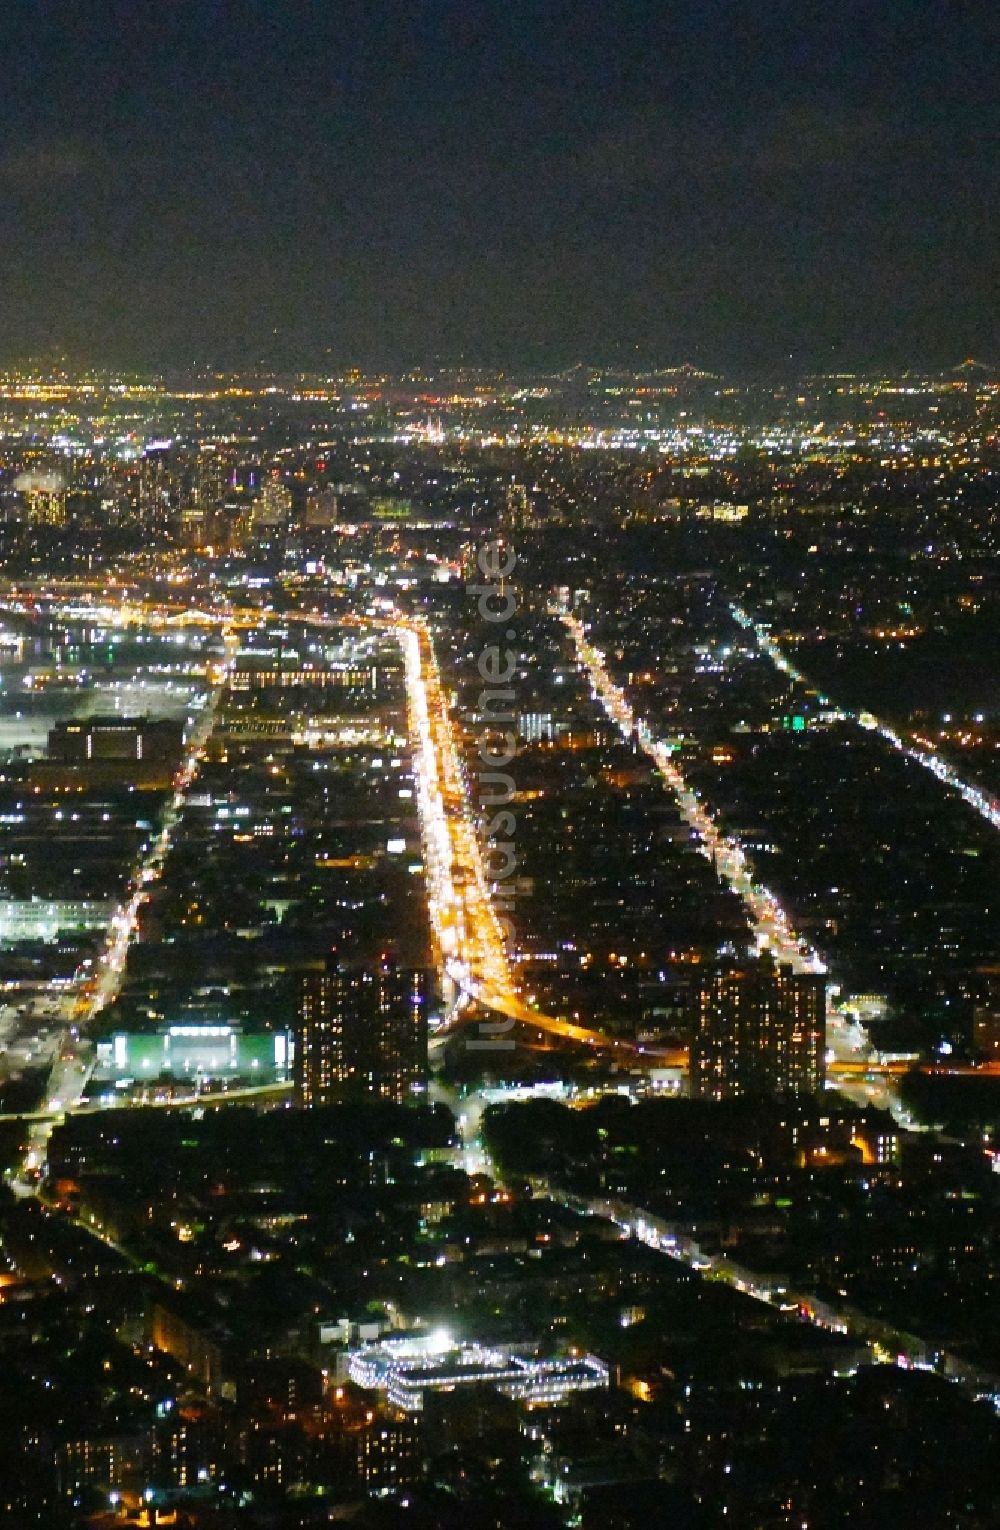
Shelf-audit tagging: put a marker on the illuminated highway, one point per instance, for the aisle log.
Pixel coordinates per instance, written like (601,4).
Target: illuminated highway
(769,920)
(196,1101)
(92,990)
(914,748)
(857,1074)
(465,925)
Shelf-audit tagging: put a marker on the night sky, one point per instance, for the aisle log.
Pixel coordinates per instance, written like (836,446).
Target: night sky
(387,183)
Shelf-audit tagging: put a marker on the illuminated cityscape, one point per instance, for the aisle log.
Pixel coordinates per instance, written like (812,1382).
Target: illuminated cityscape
(499,769)
(477,931)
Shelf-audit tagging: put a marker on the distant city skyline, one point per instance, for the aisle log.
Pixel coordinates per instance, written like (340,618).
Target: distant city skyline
(51,365)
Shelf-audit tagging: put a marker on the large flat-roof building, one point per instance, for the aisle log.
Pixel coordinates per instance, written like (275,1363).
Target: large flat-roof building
(407,1369)
(82,740)
(193,1050)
